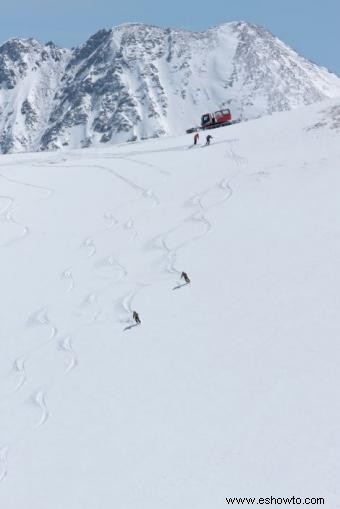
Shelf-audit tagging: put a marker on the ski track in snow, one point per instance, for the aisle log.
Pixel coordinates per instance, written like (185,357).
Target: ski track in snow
(129,224)
(89,299)
(68,276)
(3,462)
(160,242)
(25,229)
(47,190)
(126,302)
(197,201)
(108,216)
(198,216)
(236,158)
(65,345)
(7,213)
(38,399)
(19,371)
(171,253)
(19,367)
(145,192)
(10,199)
(38,318)
(143,163)
(41,318)
(89,245)
(177,148)
(112,262)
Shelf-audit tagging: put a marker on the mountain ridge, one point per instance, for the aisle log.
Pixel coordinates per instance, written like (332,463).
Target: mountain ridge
(137,81)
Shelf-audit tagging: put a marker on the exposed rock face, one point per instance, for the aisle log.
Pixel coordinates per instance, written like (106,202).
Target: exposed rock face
(137,81)
(30,75)
(330,118)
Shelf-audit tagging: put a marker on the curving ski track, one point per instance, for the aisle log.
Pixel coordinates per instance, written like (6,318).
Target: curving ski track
(11,207)
(39,400)
(66,346)
(19,367)
(126,302)
(47,190)
(197,201)
(142,163)
(111,261)
(68,276)
(3,462)
(88,244)
(6,213)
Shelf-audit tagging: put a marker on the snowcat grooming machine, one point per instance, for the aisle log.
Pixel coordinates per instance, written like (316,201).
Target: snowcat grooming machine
(219,118)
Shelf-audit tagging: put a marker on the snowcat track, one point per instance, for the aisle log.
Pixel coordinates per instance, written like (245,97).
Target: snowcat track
(214,126)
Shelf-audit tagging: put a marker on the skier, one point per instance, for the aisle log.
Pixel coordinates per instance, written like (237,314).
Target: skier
(196,138)
(209,137)
(185,276)
(136,318)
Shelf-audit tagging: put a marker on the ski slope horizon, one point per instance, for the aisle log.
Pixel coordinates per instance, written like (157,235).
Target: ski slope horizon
(229,387)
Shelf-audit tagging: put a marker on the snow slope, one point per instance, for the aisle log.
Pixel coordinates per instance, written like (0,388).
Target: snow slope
(137,81)
(230,385)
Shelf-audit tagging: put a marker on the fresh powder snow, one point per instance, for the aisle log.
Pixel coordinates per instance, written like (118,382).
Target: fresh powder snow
(230,385)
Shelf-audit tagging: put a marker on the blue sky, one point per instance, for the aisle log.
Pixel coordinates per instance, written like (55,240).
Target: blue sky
(309,26)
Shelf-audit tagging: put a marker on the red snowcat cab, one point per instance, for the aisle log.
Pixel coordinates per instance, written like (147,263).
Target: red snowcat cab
(217,119)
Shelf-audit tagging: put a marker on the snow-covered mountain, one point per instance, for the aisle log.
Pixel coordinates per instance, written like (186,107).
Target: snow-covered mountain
(30,75)
(230,387)
(137,81)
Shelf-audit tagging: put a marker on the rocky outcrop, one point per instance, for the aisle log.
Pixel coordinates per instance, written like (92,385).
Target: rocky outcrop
(137,81)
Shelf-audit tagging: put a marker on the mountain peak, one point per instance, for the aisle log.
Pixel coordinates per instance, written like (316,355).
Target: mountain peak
(135,81)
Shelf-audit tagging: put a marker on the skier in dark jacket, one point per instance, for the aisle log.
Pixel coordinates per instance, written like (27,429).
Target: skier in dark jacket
(136,318)
(209,137)
(196,138)
(185,276)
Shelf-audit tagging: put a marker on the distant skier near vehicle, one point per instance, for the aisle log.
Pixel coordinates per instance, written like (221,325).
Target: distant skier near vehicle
(196,138)
(136,318)
(185,276)
(209,137)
